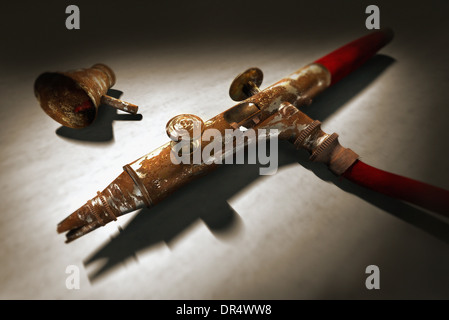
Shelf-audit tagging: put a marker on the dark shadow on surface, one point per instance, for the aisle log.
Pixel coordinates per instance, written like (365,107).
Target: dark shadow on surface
(415,216)
(101,129)
(206,198)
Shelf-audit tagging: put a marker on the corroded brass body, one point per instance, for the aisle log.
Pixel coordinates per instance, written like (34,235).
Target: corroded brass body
(151,178)
(154,176)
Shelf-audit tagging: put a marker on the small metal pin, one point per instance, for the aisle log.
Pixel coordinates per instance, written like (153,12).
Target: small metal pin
(246,84)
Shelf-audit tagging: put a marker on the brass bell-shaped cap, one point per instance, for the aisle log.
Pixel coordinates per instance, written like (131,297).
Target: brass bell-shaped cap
(72,98)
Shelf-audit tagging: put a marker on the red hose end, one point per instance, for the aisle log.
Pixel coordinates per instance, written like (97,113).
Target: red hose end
(351,56)
(419,193)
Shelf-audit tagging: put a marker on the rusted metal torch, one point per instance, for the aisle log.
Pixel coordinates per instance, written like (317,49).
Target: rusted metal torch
(151,178)
(72,98)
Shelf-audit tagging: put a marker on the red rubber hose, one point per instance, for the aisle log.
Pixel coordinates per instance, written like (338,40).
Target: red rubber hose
(346,59)
(399,187)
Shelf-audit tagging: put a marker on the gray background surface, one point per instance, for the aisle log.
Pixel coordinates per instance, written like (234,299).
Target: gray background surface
(299,234)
